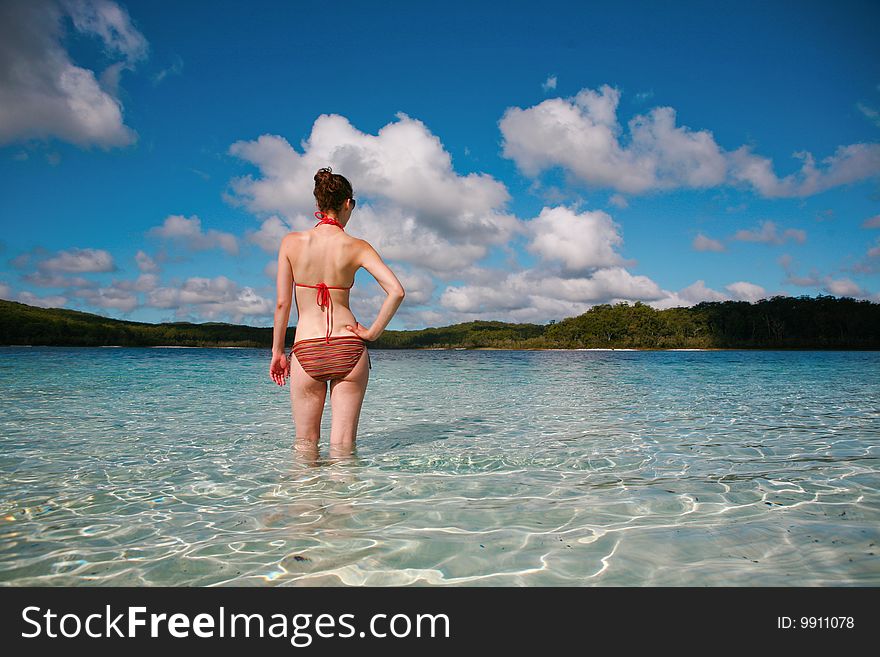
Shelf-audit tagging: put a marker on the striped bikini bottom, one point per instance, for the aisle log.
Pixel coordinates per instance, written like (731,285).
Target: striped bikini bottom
(326,361)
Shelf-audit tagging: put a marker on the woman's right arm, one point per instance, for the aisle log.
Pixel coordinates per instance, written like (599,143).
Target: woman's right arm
(373,263)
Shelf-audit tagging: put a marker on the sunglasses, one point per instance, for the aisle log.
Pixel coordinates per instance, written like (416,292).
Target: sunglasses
(353,203)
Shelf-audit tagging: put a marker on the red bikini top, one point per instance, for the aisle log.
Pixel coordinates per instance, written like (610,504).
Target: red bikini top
(323,297)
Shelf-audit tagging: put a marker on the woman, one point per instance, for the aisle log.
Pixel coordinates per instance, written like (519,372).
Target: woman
(329,344)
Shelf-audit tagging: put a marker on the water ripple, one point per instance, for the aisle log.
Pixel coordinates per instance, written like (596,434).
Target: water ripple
(162,466)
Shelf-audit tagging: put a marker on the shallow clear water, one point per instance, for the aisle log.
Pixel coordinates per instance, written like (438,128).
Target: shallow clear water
(175,467)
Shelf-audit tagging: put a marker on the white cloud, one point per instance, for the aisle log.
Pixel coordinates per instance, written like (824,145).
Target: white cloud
(419,286)
(549,84)
(270,234)
(188,231)
(397,236)
(108,297)
(768,234)
(849,164)
(5,291)
(582,135)
(843,287)
(579,241)
(791,277)
(704,243)
(143,283)
(43,93)
(404,170)
(557,285)
(111,23)
(271,269)
(79,260)
(145,262)
(745,291)
(43,279)
(52,301)
(212,298)
(532,290)
(697,292)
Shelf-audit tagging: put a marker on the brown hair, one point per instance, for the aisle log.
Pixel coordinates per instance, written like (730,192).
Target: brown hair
(331,190)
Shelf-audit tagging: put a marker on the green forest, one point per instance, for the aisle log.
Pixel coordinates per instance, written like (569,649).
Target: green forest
(781,322)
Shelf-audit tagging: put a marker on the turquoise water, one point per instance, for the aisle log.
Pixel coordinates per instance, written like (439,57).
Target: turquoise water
(174,467)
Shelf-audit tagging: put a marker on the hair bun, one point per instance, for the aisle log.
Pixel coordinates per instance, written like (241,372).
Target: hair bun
(331,189)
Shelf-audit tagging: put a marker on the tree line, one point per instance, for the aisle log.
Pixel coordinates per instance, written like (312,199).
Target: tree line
(823,322)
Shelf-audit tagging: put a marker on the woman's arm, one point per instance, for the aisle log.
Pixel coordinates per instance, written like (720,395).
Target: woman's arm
(373,263)
(284,284)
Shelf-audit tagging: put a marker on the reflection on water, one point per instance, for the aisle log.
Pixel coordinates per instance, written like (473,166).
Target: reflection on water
(178,466)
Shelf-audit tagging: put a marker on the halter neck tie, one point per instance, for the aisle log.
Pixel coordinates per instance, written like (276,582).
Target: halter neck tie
(325,219)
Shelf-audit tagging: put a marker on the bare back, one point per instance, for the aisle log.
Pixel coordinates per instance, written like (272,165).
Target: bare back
(324,254)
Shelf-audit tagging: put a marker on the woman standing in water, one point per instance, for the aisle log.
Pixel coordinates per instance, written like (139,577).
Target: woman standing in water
(329,344)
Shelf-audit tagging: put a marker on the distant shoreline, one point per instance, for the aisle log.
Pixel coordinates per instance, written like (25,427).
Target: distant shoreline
(780,323)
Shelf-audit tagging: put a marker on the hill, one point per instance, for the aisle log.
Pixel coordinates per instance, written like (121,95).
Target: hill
(781,322)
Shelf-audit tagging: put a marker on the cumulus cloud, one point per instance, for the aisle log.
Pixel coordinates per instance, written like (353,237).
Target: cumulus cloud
(745,291)
(870,262)
(212,298)
(579,241)
(849,164)
(691,295)
(404,170)
(398,236)
(43,279)
(534,295)
(143,283)
(549,84)
(768,233)
(578,267)
(704,243)
(145,262)
(419,286)
(112,297)
(843,287)
(270,234)
(31,299)
(79,260)
(791,276)
(583,136)
(51,301)
(188,232)
(43,93)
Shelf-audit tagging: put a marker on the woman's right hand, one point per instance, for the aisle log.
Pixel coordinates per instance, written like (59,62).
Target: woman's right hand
(361,331)
(279,368)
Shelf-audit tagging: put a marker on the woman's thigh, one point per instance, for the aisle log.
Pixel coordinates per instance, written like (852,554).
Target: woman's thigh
(346,399)
(307,400)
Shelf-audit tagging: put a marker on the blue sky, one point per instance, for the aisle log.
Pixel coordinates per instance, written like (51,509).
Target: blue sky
(516,161)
